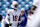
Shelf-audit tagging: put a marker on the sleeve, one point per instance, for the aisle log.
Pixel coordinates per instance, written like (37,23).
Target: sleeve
(7,17)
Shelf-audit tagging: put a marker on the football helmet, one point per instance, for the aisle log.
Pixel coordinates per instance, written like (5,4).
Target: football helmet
(14,4)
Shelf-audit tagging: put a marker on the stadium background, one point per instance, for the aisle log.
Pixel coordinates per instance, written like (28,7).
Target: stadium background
(6,4)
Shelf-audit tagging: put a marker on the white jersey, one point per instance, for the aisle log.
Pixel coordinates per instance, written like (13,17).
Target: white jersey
(13,16)
(36,15)
(29,21)
(3,22)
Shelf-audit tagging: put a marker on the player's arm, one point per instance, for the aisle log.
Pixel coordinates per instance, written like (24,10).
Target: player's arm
(34,6)
(7,18)
(18,20)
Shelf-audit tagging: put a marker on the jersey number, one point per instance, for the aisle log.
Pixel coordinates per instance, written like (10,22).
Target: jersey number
(15,18)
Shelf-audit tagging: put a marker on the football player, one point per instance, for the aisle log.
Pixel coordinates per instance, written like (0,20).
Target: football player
(3,21)
(36,16)
(13,15)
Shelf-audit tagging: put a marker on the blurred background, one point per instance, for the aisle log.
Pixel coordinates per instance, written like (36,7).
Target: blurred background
(6,4)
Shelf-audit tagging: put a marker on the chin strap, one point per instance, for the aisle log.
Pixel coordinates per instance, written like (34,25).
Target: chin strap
(14,9)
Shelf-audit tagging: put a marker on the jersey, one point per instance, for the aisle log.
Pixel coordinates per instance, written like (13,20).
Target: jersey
(3,21)
(29,21)
(13,16)
(36,15)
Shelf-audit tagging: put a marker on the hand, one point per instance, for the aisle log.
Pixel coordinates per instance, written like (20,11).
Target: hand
(20,21)
(10,24)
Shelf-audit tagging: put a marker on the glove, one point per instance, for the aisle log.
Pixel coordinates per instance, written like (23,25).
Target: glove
(10,24)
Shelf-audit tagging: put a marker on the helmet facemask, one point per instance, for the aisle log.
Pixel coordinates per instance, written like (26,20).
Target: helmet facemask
(14,5)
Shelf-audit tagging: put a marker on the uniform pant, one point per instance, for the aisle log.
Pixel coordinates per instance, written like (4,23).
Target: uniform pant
(2,25)
(12,25)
